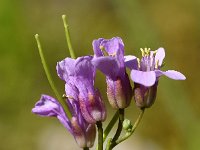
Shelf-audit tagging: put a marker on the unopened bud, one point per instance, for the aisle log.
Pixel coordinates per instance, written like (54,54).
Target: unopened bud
(144,96)
(119,92)
(127,125)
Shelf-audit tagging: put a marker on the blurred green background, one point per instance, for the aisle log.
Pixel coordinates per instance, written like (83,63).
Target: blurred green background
(173,121)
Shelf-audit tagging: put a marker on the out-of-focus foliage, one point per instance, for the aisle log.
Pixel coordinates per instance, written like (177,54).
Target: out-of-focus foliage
(171,124)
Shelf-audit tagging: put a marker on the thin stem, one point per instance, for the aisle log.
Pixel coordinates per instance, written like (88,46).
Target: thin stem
(119,129)
(108,144)
(47,72)
(110,125)
(100,135)
(85,148)
(128,134)
(67,34)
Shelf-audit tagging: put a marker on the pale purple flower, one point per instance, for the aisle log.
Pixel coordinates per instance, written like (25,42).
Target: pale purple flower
(146,72)
(83,132)
(81,74)
(109,59)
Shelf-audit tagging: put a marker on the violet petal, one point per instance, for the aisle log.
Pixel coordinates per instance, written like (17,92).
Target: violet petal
(113,45)
(48,107)
(131,62)
(172,74)
(65,68)
(160,55)
(96,47)
(108,65)
(144,78)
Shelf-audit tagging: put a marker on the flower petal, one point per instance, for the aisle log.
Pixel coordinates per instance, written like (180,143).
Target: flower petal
(108,65)
(96,47)
(113,45)
(173,75)
(160,55)
(65,68)
(71,91)
(84,68)
(144,78)
(48,107)
(131,62)
(85,75)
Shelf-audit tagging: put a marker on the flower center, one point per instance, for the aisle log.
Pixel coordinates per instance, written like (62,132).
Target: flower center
(105,53)
(147,62)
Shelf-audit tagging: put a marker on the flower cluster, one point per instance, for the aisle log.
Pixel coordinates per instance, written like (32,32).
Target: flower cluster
(84,100)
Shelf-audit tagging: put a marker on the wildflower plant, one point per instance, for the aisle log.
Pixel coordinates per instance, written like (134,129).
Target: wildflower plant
(81,107)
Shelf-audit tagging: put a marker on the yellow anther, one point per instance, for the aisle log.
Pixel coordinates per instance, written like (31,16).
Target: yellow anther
(67,96)
(138,61)
(142,52)
(101,47)
(104,51)
(145,51)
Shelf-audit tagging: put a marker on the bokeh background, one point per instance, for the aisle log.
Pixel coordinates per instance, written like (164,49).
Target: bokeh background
(173,121)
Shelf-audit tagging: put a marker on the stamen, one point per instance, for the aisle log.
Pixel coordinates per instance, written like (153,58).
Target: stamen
(142,52)
(105,53)
(156,64)
(145,51)
(138,60)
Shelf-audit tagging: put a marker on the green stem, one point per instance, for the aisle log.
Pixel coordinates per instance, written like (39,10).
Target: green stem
(110,125)
(128,134)
(108,143)
(100,135)
(119,129)
(47,72)
(67,34)
(85,148)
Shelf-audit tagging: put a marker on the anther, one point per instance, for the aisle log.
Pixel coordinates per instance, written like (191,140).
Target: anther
(101,47)
(142,52)
(67,96)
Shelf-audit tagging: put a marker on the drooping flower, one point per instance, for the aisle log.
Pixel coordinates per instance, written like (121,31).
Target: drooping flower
(81,73)
(83,132)
(146,72)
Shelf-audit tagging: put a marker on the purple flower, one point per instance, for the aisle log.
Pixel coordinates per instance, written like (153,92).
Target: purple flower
(109,59)
(146,72)
(83,132)
(81,74)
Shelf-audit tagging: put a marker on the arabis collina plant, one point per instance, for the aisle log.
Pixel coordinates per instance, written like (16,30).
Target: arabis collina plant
(81,107)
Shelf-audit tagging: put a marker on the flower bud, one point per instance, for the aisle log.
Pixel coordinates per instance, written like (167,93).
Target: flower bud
(83,138)
(127,125)
(119,92)
(144,96)
(92,107)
